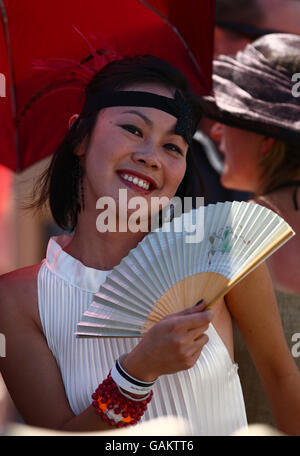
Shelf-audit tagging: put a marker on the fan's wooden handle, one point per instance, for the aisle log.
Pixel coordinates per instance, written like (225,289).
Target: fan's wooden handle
(186,293)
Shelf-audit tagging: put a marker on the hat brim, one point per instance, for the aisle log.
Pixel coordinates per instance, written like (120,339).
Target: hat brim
(246,121)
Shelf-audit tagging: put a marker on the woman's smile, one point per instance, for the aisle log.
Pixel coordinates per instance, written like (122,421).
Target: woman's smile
(137,181)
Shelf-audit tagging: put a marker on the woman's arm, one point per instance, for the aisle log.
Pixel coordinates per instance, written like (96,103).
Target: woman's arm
(29,368)
(32,375)
(253,306)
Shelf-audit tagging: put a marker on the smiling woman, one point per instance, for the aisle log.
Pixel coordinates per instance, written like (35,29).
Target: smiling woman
(133,135)
(143,73)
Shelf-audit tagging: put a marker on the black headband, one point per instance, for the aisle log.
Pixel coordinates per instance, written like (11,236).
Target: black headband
(177,107)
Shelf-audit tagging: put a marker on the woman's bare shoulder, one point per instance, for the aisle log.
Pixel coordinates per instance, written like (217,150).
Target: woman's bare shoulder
(18,292)
(268,202)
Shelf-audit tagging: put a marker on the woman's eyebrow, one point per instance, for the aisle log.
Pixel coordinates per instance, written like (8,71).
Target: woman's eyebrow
(147,120)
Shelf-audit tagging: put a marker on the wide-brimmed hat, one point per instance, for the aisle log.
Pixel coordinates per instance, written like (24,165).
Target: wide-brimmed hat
(253,91)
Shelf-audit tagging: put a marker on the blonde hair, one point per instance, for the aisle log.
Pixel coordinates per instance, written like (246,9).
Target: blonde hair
(280,165)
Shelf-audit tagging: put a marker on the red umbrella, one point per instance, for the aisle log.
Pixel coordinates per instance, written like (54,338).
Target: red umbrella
(31,126)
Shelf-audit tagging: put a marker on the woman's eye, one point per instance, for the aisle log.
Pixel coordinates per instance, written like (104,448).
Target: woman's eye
(132,129)
(174,148)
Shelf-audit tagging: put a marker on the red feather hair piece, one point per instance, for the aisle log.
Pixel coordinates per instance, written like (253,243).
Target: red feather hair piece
(71,74)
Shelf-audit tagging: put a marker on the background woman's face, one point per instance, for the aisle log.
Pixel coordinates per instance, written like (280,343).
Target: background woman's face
(134,148)
(242,151)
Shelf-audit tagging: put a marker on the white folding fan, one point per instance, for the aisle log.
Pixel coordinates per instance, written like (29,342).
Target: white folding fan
(168,271)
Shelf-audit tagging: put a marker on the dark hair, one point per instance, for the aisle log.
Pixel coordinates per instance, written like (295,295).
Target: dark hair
(239,11)
(281,164)
(60,182)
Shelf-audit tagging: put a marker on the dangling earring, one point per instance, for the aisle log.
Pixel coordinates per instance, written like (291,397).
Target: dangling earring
(78,188)
(82,205)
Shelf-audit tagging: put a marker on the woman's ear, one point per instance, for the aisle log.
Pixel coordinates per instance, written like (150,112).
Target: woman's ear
(73,119)
(80,151)
(216,132)
(266,145)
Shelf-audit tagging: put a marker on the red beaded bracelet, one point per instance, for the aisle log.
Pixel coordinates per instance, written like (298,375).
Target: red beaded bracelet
(115,408)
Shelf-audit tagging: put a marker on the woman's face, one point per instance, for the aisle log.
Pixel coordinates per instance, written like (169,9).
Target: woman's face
(135,149)
(242,151)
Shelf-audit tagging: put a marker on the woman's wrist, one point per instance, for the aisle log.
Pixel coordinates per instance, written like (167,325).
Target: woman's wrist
(137,368)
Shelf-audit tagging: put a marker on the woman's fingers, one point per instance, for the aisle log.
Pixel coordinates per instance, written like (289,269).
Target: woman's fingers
(190,353)
(198,347)
(197,307)
(195,334)
(175,342)
(196,320)
(193,317)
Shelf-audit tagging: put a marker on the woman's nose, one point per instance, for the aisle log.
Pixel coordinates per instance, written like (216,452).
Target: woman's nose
(148,156)
(216,132)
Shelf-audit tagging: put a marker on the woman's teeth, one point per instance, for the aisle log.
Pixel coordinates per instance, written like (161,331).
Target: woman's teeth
(135,180)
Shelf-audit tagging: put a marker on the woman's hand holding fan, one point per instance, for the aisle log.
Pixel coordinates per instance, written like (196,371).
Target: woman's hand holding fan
(173,344)
(171,270)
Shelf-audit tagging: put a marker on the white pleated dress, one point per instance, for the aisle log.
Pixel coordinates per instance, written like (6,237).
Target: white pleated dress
(208,395)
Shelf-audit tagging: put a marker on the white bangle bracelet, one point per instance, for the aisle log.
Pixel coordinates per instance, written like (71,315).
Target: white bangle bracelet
(129,383)
(133,398)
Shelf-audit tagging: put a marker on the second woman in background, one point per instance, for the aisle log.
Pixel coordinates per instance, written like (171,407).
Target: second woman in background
(257,105)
